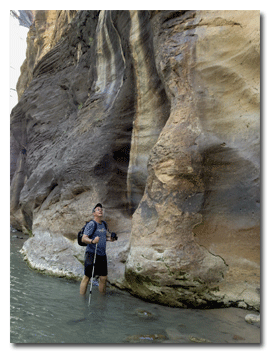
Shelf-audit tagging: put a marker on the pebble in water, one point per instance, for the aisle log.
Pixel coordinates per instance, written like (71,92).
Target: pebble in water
(145,338)
(238,338)
(198,339)
(253,319)
(144,314)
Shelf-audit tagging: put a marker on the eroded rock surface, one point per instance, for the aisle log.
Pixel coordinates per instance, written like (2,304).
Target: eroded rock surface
(155,114)
(199,200)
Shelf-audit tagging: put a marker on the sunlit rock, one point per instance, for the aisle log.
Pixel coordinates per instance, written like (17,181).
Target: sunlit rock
(253,319)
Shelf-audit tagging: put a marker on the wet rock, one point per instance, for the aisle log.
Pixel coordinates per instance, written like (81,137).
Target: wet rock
(242,305)
(253,319)
(145,314)
(198,339)
(53,256)
(145,338)
(238,338)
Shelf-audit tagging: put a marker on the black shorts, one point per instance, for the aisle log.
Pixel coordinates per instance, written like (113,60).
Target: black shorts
(101,268)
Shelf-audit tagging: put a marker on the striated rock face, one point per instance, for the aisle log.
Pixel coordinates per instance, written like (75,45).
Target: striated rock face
(201,201)
(155,115)
(43,35)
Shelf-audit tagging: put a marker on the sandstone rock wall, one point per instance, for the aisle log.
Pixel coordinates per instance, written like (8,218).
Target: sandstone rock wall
(156,115)
(47,30)
(199,200)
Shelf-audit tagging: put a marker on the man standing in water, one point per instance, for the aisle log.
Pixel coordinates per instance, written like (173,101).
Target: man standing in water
(95,234)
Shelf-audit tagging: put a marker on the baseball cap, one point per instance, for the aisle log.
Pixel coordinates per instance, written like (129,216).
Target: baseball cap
(97,205)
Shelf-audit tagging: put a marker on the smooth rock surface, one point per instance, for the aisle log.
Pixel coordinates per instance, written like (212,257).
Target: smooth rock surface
(253,319)
(198,220)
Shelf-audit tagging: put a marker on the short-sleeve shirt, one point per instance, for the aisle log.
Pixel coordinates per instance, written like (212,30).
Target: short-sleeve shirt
(100,232)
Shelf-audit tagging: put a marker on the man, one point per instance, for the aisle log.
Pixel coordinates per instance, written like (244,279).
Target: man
(99,237)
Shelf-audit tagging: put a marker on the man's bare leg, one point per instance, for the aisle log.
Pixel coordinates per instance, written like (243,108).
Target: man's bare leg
(84,284)
(102,284)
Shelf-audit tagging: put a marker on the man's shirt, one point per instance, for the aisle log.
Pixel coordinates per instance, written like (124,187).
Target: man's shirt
(100,232)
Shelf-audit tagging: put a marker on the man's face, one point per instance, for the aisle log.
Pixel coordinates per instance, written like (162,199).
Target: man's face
(98,211)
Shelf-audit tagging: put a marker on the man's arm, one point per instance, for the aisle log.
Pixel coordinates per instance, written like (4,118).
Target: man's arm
(87,240)
(89,229)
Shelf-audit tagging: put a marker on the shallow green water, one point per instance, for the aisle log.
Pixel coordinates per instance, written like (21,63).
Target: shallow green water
(46,309)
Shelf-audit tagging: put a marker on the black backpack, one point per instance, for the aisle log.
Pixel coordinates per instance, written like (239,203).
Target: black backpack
(80,234)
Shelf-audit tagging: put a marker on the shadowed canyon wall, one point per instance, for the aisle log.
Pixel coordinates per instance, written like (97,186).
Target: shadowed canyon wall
(155,114)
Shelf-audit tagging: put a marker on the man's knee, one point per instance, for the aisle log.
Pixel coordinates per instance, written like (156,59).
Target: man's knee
(103,279)
(85,279)
(102,284)
(84,284)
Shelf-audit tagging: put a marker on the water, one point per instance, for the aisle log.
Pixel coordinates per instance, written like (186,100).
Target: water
(46,309)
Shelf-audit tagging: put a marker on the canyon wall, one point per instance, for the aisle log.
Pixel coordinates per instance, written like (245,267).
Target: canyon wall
(155,114)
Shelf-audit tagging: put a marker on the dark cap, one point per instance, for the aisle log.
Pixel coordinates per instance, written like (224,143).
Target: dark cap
(97,205)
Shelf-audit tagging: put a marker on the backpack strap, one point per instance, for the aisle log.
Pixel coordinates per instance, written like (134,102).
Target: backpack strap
(105,225)
(95,226)
(81,232)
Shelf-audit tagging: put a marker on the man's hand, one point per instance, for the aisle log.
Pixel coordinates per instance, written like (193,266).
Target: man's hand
(96,240)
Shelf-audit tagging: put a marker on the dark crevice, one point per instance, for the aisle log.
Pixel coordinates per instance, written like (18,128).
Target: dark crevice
(174,14)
